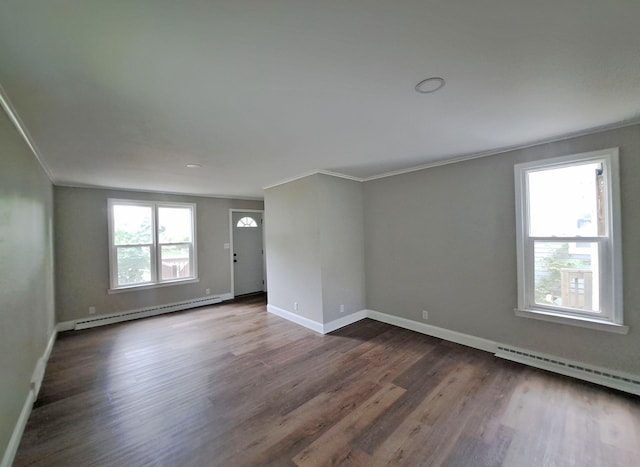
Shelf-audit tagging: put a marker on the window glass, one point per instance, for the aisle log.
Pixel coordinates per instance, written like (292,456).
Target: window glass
(568,239)
(564,201)
(247,222)
(566,276)
(151,242)
(133,265)
(176,261)
(174,225)
(132,225)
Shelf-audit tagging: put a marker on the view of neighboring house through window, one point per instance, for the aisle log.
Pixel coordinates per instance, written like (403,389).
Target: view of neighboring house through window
(569,260)
(151,243)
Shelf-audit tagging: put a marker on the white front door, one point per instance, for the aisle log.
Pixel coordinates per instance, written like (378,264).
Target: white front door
(248,275)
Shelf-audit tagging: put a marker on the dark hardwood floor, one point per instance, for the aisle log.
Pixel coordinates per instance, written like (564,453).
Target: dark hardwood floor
(233,385)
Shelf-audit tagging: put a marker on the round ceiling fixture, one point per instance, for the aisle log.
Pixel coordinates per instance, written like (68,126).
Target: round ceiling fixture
(429,85)
(193,166)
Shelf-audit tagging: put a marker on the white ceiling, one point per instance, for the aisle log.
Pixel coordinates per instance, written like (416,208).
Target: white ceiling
(126,93)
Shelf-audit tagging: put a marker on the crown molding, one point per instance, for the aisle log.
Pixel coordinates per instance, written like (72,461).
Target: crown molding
(11,112)
(465,157)
(314,172)
(156,192)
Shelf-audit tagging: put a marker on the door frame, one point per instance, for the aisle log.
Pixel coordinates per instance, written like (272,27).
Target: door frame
(264,268)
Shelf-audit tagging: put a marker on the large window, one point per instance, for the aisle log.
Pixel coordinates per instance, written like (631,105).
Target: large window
(151,243)
(568,236)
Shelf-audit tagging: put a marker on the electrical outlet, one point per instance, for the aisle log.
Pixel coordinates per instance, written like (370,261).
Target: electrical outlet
(341,308)
(92,310)
(207,291)
(425,315)
(295,306)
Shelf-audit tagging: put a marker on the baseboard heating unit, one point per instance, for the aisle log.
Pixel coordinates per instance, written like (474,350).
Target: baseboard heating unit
(596,375)
(144,312)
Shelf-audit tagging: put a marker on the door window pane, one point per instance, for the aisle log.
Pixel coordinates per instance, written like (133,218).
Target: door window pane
(133,264)
(567,201)
(566,275)
(176,261)
(132,225)
(174,225)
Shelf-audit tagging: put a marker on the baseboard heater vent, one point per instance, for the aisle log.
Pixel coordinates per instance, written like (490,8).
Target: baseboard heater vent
(623,382)
(145,312)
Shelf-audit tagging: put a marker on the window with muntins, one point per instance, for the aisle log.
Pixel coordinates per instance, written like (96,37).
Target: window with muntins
(247,222)
(151,243)
(568,239)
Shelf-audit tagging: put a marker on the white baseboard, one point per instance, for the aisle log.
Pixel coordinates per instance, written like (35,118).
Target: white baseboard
(32,395)
(434,331)
(344,321)
(294,318)
(129,315)
(16,435)
(226,296)
(320,328)
(41,364)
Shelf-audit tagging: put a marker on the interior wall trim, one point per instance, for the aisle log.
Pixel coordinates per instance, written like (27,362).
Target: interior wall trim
(31,397)
(128,315)
(605,377)
(434,331)
(8,107)
(295,318)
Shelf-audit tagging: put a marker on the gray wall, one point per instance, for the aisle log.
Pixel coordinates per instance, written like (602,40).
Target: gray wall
(292,245)
(82,252)
(443,239)
(314,244)
(26,275)
(341,212)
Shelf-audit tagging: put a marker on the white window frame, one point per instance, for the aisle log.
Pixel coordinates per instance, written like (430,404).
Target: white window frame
(610,316)
(156,276)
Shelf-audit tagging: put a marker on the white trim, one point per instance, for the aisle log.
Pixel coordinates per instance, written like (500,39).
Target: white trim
(135,288)
(464,157)
(603,376)
(314,172)
(297,319)
(575,320)
(138,190)
(226,296)
(609,246)
(155,246)
(18,430)
(32,396)
(434,331)
(344,321)
(8,107)
(41,364)
(170,308)
(504,150)
(130,315)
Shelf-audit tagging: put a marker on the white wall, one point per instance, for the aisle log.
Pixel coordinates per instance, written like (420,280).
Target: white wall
(444,240)
(26,275)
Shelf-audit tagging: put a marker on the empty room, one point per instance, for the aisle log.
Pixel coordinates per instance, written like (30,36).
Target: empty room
(245,233)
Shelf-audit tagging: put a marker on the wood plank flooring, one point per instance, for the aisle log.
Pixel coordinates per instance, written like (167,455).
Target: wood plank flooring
(232,385)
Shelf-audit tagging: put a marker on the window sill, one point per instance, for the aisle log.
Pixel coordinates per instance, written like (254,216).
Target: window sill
(582,322)
(136,288)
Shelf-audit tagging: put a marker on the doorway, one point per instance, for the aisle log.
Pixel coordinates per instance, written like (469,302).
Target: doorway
(247,252)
